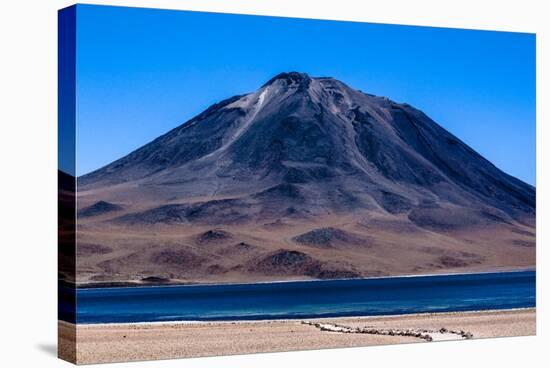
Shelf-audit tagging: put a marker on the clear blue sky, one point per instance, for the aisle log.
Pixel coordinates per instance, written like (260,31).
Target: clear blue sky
(142,72)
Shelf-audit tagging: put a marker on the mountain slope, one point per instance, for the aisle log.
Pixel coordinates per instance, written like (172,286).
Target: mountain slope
(301,152)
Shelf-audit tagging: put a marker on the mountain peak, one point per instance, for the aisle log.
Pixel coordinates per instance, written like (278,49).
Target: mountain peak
(290,78)
(297,133)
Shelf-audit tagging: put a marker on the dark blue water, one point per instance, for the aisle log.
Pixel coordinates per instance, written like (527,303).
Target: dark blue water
(366,297)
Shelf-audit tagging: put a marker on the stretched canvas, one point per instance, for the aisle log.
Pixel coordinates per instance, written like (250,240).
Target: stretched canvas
(235,184)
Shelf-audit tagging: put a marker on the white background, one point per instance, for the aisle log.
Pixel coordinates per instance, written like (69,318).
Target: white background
(28,174)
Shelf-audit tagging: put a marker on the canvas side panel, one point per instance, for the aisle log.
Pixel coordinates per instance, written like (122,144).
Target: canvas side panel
(67,184)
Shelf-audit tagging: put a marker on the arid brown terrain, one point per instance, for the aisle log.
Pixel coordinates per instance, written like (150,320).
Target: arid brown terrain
(305,178)
(104,343)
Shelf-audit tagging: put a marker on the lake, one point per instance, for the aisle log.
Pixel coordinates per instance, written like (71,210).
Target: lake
(304,299)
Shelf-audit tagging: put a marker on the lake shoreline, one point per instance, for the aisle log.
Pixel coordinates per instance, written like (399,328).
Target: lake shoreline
(137,284)
(104,343)
(230,322)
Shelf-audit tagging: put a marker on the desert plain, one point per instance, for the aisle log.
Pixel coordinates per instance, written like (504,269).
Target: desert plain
(104,343)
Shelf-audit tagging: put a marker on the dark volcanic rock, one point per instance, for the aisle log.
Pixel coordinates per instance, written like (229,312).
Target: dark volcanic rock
(286,262)
(394,203)
(215,236)
(281,191)
(453,218)
(178,257)
(243,247)
(215,212)
(155,279)
(329,236)
(328,274)
(449,261)
(99,208)
(291,262)
(163,214)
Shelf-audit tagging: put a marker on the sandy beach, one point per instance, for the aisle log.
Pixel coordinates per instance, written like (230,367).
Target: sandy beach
(103,343)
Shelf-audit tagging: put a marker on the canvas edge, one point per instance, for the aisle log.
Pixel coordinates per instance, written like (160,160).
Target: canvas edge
(66,292)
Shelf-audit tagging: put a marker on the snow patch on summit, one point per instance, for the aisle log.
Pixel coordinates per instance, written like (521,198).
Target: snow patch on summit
(253,103)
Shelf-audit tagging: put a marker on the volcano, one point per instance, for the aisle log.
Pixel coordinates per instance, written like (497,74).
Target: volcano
(303,178)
